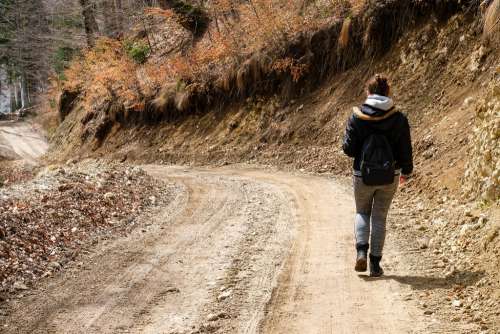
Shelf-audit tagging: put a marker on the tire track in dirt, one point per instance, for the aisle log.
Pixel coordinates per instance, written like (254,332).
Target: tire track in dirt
(237,251)
(167,279)
(319,291)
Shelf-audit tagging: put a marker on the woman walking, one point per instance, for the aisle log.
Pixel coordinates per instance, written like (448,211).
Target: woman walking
(378,138)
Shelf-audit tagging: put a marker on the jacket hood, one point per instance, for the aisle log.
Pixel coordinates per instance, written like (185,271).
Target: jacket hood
(379,102)
(377,108)
(377,118)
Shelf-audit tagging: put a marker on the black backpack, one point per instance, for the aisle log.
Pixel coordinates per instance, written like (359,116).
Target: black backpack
(377,161)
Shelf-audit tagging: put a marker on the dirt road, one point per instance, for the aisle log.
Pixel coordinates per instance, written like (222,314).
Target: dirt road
(19,140)
(237,251)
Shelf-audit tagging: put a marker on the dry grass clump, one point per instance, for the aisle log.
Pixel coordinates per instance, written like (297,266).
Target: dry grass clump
(492,22)
(345,33)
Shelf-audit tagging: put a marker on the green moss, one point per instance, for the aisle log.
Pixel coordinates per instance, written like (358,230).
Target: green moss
(180,85)
(53,104)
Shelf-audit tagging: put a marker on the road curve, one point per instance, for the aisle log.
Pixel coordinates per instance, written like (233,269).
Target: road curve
(20,138)
(237,251)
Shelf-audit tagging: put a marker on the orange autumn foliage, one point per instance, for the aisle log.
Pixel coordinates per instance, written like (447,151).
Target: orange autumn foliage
(104,71)
(237,30)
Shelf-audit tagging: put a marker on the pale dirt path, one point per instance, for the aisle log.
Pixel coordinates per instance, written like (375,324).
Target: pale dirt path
(20,138)
(318,290)
(280,245)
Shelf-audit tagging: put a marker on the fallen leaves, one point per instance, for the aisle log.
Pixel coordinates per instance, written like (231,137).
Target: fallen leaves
(47,221)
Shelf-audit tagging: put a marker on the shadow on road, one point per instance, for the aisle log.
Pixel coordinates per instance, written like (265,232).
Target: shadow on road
(464,278)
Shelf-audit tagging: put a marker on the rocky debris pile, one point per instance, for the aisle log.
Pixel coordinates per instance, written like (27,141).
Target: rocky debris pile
(457,246)
(15,171)
(483,169)
(47,221)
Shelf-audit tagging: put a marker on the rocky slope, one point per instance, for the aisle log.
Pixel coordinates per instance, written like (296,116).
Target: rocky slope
(482,176)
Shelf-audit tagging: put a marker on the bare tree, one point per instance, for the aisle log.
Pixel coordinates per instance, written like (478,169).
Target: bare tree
(119,15)
(89,21)
(34,36)
(24,51)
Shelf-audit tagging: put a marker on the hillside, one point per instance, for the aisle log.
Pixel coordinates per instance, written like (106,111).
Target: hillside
(281,100)
(444,77)
(436,64)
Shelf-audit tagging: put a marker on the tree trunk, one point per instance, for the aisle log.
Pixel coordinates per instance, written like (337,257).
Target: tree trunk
(17,93)
(13,99)
(91,28)
(107,18)
(119,15)
(24,92)
(112,11)
(152,3)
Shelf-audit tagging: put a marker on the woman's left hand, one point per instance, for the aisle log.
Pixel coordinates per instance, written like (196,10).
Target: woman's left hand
(402,180)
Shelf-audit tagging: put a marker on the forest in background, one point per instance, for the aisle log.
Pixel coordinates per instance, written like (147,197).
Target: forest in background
(40,39)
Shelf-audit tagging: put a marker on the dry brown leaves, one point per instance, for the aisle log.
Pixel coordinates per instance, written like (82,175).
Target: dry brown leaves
(47,221)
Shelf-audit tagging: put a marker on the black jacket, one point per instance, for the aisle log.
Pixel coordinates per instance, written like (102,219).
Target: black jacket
(391,123)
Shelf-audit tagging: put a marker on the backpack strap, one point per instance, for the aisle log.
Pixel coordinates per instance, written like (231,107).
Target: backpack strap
(357,112)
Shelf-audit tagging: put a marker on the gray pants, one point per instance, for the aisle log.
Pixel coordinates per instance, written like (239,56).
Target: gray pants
(372,202)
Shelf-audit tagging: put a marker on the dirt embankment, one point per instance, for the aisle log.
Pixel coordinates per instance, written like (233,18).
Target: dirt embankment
(324,52)
(435,67)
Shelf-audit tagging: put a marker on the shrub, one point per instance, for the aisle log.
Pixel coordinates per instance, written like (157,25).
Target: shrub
(121,69)
(296,69)
(105,71)
(61,59)
(137,51)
